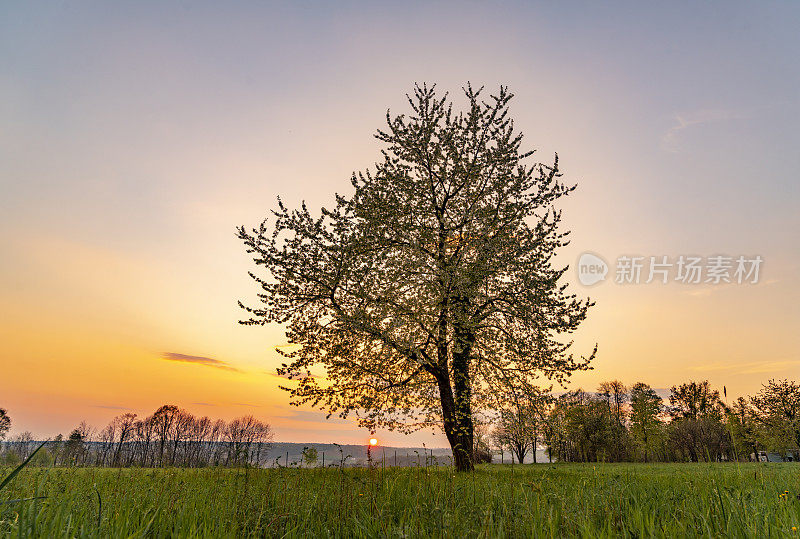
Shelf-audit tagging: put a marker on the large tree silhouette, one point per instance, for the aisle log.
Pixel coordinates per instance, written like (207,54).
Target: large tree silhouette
(431,290)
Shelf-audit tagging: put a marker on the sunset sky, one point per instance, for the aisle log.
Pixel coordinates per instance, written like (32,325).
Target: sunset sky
(135,137)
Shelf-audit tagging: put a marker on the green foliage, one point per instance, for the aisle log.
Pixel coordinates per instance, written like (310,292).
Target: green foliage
(744,428)
(645,426)
(777,409)
(310,456)
(695,400)
(584,428)
(566,500)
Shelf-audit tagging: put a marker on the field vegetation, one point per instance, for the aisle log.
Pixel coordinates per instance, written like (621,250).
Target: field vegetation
(613,500)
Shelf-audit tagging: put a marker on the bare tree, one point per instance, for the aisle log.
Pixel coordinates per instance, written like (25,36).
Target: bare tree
(181,429)
(163,418)
(23,443)
(106,441)
(512,432)
(122,427)
(246,437)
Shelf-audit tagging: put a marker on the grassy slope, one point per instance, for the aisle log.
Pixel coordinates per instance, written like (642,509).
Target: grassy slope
(545,500)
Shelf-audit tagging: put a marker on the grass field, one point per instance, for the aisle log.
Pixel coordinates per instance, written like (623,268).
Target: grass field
(637,500)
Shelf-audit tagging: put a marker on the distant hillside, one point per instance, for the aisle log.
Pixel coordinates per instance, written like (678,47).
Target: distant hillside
(259,454)
(356,455)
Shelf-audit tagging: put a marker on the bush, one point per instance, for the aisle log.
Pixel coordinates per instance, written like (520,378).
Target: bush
(482,455)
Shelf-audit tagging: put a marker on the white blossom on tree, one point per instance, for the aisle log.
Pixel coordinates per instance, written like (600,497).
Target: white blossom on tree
(430,291)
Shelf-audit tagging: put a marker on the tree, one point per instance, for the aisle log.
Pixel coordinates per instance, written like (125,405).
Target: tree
(512,432)
(431,291)
(695,400)
(581,427)
(310,456)
(616,395)
(24,444)
(181,428)
(697,431)
(520,422)
(5,423)
(246,437)
(744,426)
(481,441)
(538,403)
(777,408)
(703,438)
(56,449)
(163,419)
(74,446)
(123,426)
(646,406)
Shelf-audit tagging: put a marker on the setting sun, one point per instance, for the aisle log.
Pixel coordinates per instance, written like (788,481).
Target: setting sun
(373,441)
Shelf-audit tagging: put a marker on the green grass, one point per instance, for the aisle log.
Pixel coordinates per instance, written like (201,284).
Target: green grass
(635,500)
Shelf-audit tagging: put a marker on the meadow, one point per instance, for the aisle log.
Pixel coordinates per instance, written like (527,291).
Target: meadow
(546,500)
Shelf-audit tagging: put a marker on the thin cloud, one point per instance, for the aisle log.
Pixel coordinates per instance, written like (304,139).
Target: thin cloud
(199,360)
(669,142)
(227,404)
(313,416)
(285,377)
(109,407)
(752,367)
(707,291)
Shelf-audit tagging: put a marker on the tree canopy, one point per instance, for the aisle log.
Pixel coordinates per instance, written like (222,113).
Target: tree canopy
(431,289)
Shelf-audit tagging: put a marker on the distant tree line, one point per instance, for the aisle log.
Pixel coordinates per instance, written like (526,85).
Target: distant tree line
(613,424)
(619,423)
(171,436)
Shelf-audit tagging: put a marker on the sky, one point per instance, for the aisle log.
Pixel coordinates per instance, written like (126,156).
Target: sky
(135,137)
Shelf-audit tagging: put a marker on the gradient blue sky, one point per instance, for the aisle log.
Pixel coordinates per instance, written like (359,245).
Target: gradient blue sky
(135,136)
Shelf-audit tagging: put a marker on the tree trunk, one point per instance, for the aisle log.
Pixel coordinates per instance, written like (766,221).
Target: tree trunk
(520,451)
(459,433)
(456,400)
(462,349)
